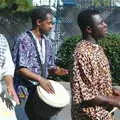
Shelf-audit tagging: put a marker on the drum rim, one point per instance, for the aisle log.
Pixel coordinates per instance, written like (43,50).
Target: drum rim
(51,103)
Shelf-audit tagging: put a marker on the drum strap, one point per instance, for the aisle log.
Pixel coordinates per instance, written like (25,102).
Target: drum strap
(38,56)
(24,87)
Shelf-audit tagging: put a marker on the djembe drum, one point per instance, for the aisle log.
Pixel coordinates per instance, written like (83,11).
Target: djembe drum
(46,104)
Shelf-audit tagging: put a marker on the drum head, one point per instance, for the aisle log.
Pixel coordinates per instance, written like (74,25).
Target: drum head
(60,99)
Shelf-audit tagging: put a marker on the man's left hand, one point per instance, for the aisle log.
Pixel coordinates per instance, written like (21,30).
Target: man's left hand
(58,71)
(12,93)
(61,71)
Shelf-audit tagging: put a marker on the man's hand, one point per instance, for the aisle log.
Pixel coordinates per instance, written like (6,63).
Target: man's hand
(116,92)
(46,85)
(58,71)
(61,71)
(115,101)
(12,93)
(10,88)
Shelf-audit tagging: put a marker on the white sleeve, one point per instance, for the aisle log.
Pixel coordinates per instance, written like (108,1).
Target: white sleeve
(8,67)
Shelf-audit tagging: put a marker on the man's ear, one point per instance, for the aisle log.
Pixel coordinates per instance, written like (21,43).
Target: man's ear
(38,22)
(89,29)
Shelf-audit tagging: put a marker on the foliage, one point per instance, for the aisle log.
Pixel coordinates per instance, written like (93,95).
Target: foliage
(111,43)
(15,5)
(112,48)
(101,2)
(65,54)
(66,51)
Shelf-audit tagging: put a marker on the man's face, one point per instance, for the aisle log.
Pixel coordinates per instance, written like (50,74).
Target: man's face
(99,26)
(46,25)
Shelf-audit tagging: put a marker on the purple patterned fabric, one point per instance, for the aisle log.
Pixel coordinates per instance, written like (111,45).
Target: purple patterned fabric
(25,55)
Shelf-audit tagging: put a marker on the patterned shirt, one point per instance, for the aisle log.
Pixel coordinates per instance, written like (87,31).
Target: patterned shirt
(6,63)
(91,78)
(25,55)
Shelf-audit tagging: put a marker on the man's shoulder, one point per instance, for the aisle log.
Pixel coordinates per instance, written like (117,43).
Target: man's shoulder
(46,38)
(86,47)
(2,37)
(48,41)
(23,37)
(3,40)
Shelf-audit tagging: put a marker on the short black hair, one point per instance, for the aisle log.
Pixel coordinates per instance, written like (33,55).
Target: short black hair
(39,12)
(85,18)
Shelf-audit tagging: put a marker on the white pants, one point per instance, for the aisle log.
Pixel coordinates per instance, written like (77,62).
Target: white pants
(5,112)
(6,103)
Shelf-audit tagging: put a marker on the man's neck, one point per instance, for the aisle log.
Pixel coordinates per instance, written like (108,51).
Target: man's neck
(90,39)
(37,33)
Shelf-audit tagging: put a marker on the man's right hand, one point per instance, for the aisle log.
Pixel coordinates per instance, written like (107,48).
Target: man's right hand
(46,85)
(115,101)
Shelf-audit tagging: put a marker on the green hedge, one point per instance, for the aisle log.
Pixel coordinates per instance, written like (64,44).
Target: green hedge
(15,6)
(65,54)
(111,43)
(66,51)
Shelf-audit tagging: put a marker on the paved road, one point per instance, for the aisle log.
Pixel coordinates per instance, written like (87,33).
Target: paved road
(66,113)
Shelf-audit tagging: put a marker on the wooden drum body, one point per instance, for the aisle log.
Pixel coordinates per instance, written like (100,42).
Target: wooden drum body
(47,105)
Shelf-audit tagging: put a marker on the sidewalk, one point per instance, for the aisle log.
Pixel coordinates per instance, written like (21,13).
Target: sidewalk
(66,112)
